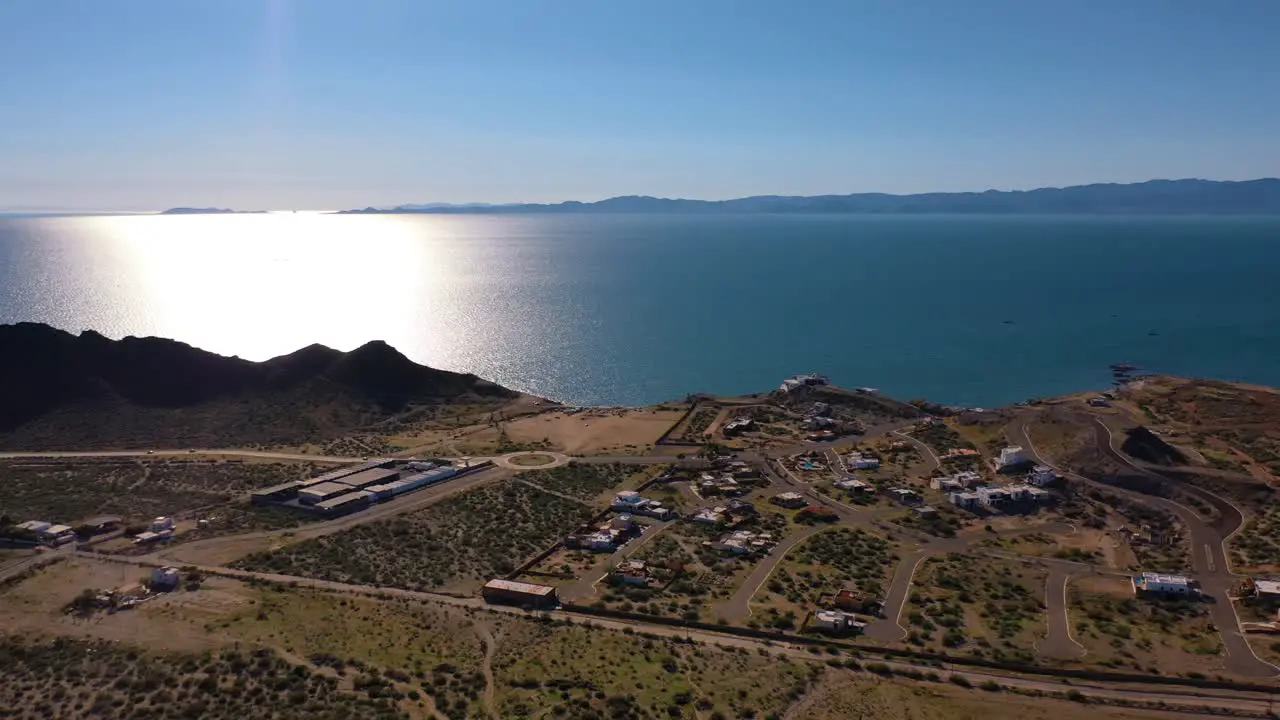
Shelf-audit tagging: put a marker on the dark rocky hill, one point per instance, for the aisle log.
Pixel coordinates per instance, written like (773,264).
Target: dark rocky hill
(61,390)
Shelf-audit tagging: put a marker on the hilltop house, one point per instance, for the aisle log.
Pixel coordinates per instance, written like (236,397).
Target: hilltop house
(796,382)
(1012,458)
(1041,476)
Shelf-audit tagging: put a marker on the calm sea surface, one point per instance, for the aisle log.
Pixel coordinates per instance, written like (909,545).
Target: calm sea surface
(635,309)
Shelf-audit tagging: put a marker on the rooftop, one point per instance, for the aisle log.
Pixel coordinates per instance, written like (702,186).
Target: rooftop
(520,587)
(1150,577)
(1267,587)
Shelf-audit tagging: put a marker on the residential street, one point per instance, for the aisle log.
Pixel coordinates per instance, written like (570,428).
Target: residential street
(1059,642)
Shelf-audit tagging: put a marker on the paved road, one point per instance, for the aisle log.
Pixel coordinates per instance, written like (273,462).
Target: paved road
(887,628)
(1058,643)
(934,462)
(32,562)
(188,452)
(738,607)
(1209,559)
(1177,696)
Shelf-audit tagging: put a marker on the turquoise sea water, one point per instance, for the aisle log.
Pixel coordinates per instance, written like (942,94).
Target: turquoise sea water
(619,309)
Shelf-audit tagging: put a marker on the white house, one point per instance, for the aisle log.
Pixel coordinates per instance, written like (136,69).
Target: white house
(798,381)
(1155,583)
(789,500)
(858,461)
(969,500)
(627,500)
(630,501)
(708,516)
(165,579)
(946,484)
(742,542)
(600,542)
(624,522)
(851,484)
(819,422)
(57,534)
(161,524)
(837,621)
(1012,457)
(36,527)
(905,496)
(993,497)
(1042,475)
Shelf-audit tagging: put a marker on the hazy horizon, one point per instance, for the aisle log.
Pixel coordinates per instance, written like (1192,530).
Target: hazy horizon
(279,104)
(55,210)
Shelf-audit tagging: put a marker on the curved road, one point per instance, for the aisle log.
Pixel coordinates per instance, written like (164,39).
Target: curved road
(1208,557)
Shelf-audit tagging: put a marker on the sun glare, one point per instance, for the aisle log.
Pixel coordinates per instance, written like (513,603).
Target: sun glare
(265,285)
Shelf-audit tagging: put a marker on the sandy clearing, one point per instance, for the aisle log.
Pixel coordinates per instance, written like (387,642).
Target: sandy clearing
(593,431)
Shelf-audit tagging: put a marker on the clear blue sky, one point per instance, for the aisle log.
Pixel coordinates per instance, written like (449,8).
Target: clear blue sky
(136,104)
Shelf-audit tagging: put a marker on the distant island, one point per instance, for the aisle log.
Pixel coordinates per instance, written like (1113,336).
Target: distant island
(208,211)
(1164,197)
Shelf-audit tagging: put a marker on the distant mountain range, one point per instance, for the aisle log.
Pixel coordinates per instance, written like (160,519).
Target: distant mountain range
(66,391)
(208,211)
(1152,197)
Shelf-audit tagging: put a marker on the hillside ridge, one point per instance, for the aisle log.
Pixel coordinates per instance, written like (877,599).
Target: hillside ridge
(88,389)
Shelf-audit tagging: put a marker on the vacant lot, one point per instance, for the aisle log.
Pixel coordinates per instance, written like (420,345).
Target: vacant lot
(979,605)
(1232,426)
(68,492)
(593,432)
(582,480)
(74,678)
(1122,631)
(1256,548)
(455,544)
(570,671)
(823,565)
(942,438)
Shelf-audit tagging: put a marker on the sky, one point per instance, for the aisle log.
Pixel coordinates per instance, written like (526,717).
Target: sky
(319,104)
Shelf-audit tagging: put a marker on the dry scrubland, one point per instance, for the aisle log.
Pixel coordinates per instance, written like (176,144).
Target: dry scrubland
(824,565)
(1234,427)
(580,480)
(578,672)
(250,650)
(66,678)
(1120,631)
(455,544)
(458,542)
(72,491)
(980,606)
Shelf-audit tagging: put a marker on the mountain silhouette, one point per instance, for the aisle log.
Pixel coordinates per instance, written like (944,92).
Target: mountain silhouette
(1165,197)
(86,390)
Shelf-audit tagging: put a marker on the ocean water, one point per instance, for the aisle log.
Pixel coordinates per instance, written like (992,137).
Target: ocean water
(622,309)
